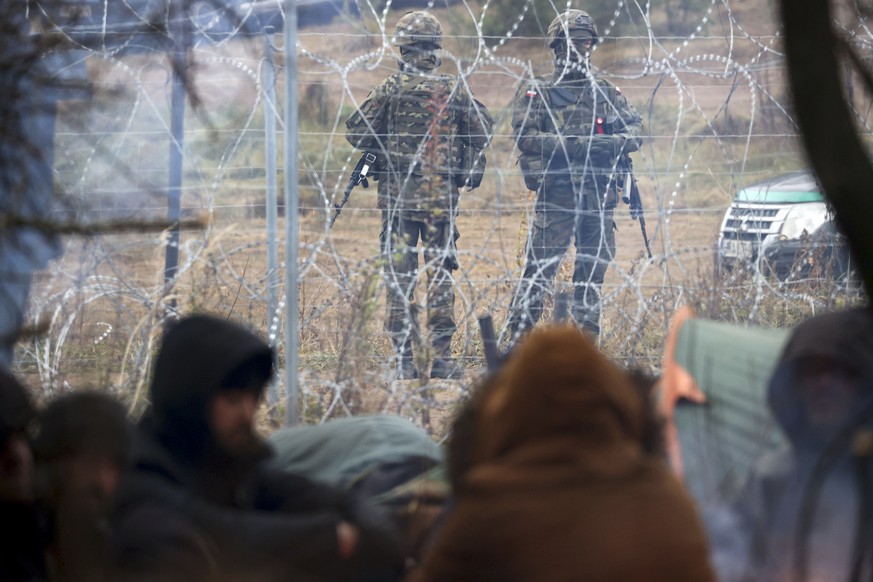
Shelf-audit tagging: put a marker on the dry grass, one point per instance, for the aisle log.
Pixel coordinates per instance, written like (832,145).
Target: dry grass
(105,299)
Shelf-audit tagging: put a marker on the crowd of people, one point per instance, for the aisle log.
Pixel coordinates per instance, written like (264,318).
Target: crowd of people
(555,469)
(188,493)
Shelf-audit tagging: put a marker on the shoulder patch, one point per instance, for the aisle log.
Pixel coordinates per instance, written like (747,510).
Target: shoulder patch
(617,89)
(531,93)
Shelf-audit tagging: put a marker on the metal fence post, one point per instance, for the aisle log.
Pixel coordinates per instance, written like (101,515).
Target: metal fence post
(177,137)
(291,204)
(272,204)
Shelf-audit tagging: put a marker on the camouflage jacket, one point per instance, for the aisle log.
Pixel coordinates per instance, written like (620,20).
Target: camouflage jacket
(553,120)
(427,131)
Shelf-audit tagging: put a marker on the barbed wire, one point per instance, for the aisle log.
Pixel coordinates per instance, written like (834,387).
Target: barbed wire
(714,108)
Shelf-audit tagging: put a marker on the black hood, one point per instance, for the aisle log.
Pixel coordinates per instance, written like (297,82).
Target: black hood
(844,336)
(199,356)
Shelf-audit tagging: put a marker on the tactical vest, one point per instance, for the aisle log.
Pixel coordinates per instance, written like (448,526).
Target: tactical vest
(422,127)
(583,111)
(573,112)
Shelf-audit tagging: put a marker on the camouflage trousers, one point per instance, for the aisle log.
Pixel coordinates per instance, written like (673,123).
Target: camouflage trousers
(400,238)
(549,239)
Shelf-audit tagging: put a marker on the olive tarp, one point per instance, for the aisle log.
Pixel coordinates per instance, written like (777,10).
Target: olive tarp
(341,451)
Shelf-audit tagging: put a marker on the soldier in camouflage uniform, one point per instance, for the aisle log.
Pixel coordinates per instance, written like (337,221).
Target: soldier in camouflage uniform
(428,133)
(571,128)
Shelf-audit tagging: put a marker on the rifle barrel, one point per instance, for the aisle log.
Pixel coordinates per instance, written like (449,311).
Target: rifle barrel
(489,342)
(645,236)
(635,201)
(339,207)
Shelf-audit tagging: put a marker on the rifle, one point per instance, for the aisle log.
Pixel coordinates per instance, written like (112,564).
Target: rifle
(489,342)
(359,176)
(631,195)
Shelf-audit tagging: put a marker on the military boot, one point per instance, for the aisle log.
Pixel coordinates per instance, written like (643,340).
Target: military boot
(444,365)
(447,368)
(406,369)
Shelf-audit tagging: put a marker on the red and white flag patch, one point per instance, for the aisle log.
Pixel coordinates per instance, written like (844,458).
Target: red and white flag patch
(531,93)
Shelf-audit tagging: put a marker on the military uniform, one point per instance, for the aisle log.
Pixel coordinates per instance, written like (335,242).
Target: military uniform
(428,134)
(570,128)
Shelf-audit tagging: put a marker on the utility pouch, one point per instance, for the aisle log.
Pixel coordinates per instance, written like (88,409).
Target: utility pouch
(612,195)
(532,168)
(472,169)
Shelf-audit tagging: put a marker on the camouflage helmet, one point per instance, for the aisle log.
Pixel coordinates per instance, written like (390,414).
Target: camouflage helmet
(418,27)
(575,24)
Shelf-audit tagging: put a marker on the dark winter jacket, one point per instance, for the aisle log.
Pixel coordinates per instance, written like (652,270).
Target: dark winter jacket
(801,506)
(22,553)
(280,524)
(21,519)
(188,510)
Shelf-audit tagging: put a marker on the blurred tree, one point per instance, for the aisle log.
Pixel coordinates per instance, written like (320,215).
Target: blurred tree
(837,154)
(502,16)
(682,16)
(35,73)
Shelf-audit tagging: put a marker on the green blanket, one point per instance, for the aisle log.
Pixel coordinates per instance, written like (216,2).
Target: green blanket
(340,451)
(721,439)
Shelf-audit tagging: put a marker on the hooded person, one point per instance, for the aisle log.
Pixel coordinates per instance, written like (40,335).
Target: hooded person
(21,553)
(81,449)
(806,511)
(199,502)
(557,485)
(209,376)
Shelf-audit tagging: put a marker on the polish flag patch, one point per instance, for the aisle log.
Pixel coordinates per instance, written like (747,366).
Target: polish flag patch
(531,93)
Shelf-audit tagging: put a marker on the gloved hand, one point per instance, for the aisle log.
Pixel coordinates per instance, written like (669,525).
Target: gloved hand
(601,147)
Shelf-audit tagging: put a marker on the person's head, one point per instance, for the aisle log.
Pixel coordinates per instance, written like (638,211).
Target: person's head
(209,378)
(419,29)
(830,390)
(233,407)
(825,376)
(81,449)
(419,35)
(16,457)
(571,35)
(556,387)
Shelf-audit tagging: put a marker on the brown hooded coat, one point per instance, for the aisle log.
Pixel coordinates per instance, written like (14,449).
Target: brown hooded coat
(559,487)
